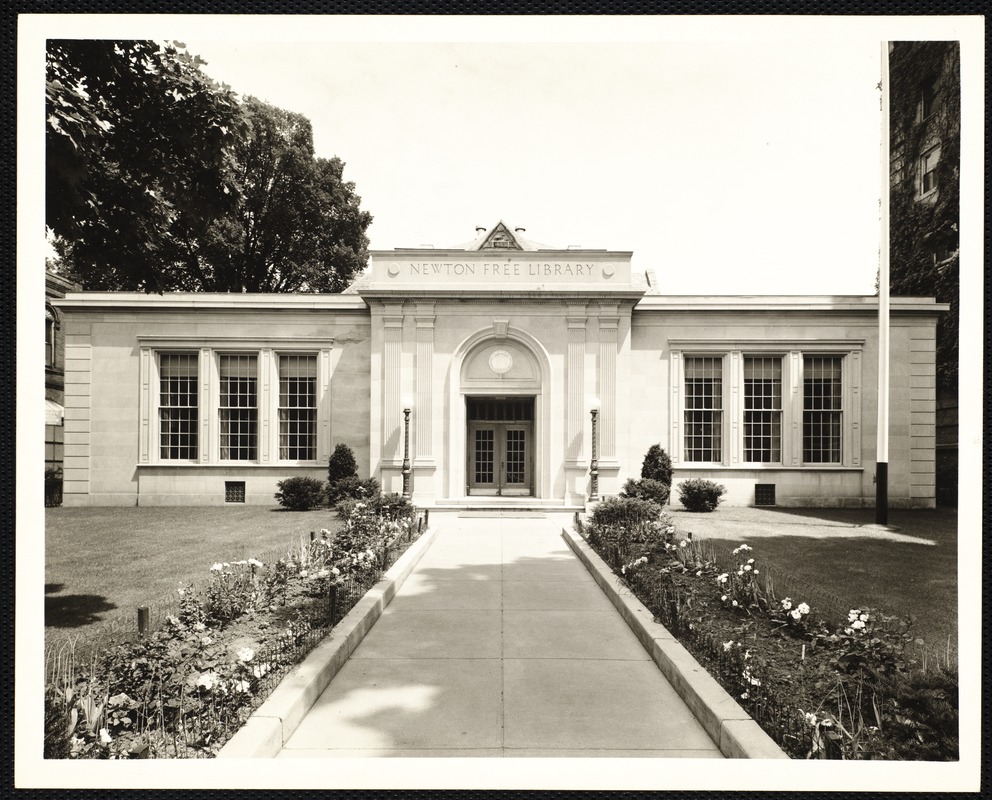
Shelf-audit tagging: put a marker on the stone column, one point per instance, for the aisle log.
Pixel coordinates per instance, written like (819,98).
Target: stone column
(392,413)
(423,409)
(576,405)
(609,322)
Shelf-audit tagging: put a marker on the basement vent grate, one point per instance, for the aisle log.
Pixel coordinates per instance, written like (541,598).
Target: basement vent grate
(234,491)
(764,494)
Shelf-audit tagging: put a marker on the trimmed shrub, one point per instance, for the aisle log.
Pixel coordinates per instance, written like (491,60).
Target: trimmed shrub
(622,527)
(342,464)
(657,466)
(300,493)
(393,506)
(646,489)
(352,488)
(700,495)
(626,511)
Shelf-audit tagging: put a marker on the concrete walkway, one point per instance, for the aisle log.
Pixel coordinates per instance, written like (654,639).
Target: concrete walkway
(500,644)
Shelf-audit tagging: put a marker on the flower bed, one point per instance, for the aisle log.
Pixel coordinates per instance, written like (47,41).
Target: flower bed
(185,689)
(820,688)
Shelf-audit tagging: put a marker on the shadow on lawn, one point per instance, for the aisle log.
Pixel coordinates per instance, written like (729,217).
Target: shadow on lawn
(73,610)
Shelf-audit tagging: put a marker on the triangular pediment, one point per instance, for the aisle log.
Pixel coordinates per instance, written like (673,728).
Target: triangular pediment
(500,238)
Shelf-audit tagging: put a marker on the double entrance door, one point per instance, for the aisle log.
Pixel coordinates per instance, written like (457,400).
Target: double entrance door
(500,445)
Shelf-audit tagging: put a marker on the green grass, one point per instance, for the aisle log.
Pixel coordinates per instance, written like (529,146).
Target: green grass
(104,562)
(901,578)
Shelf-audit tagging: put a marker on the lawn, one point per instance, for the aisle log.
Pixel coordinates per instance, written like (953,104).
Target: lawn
(101,563)
(913,573)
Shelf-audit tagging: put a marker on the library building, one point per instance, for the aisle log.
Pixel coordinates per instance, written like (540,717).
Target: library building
(501,371)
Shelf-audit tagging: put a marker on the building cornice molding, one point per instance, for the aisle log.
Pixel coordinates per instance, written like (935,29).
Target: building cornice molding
(859,304)
(214,301)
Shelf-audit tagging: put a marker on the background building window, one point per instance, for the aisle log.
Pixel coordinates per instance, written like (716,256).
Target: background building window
(821,409)
(928,99)
(703,409)
(763,409)
(928,170)
(238,411)
(178,392)
(298,407)
(49,340)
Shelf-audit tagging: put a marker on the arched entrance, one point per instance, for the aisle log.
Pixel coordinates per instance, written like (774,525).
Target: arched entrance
(498,407)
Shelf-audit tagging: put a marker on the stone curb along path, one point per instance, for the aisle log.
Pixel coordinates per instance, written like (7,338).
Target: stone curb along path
(273,722)
(728,725)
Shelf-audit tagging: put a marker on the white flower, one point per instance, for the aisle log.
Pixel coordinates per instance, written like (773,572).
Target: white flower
(810,719)
(698,573)
(683,543)
(741,549)
(853,614)
(863,618)
(199,627)
(786,604)
(335,571)
(755,682)
(241,563)
(254,562)
(723,578)
(803,608)
(242,686)
(734,603)
(217,567)
(728,645)
(323,573)
(756,572)
(750,561)
(246,654)
(724,598)
(744,695)
(747,567)
(105,737)
(670,529)
(205,640)
(796,614)
(260,670)
(303,573)
(857,625)
(208,680)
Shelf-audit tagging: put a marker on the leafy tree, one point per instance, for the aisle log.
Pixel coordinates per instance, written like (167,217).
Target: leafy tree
(137,138)
(299,226)
(160,179)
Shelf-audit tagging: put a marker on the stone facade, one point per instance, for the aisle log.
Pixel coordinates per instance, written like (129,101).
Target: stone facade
(479,367)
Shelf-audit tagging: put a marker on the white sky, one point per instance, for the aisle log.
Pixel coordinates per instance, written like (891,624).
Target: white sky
(731,168)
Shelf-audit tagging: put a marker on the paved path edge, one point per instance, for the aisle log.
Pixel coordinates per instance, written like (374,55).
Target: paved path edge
(730,727)
(272,723)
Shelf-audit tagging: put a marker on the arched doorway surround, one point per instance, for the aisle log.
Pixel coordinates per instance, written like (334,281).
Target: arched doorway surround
(499,361)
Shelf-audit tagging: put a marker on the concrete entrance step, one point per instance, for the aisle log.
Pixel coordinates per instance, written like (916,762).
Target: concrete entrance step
(505,504)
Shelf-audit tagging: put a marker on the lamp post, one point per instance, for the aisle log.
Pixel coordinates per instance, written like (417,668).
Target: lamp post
(594,464)
(407,403)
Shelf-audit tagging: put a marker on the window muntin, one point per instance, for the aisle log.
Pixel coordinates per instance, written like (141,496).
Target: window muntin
(238,407)
(298,407)
(762,409)
(178,406)
(703,409)
(822,409)
(928,170)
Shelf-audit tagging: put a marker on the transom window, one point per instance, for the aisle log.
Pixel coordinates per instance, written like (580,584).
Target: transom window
(238,407)
(703,408)
(762,409)
(298,407)
(178,406)
(822,409)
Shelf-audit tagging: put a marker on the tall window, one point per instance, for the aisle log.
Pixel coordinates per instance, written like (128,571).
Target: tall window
(49,340)
(821,409)
(703,408)
(928,170)
(298,407)
(763,409)
(928,99)
(238,410)
(178,392)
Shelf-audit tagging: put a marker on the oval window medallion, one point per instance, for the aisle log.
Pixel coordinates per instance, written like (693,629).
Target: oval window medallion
(608,270)
(500,362)
(393,269)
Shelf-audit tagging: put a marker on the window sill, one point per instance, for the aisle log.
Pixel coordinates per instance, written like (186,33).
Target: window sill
(233,464)
(767,468)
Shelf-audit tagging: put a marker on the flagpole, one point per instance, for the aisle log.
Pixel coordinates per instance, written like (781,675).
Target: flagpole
(882,446)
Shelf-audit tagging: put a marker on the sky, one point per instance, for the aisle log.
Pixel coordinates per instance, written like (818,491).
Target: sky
(726,167)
